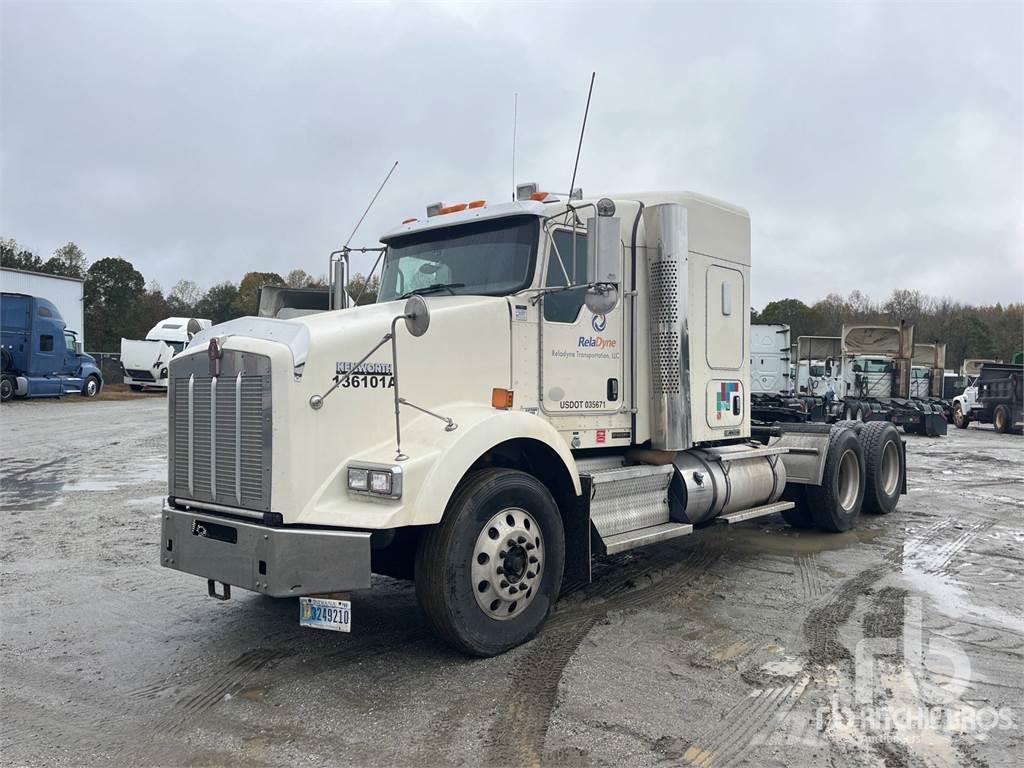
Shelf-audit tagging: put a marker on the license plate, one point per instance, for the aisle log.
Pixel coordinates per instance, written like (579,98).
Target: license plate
(323,613)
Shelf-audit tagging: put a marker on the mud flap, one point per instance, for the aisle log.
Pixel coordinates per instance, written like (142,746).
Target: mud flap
(933,424)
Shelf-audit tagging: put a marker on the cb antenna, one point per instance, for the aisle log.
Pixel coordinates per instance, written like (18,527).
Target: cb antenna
(515,121)
(579,147)
(336,283)
(374,200)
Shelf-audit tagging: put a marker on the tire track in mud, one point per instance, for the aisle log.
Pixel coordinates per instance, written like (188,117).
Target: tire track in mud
(750,721)
(941,561)
(520,724)
(810,579)
(228,680)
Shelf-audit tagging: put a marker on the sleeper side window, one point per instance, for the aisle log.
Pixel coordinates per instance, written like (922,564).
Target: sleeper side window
(46,343)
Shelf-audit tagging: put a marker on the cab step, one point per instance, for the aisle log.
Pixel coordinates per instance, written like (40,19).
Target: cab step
(620,542)
(627,499)
(750,514)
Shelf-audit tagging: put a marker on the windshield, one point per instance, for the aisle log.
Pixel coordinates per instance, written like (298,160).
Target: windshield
(483,258)
(817,370)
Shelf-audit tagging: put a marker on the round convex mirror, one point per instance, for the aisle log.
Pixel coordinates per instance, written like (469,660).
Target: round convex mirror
(417,315)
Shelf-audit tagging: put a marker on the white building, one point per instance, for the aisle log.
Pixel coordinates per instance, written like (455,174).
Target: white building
(65,292)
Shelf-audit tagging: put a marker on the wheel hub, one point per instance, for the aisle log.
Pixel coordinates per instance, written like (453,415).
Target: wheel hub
(508,560)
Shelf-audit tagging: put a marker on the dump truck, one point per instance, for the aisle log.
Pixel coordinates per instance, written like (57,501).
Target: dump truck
(39,357)
(540,382)
(998,398)
(144,362)
(965,402)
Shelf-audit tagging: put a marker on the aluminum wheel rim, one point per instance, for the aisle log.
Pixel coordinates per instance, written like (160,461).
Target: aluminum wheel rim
(849,480)
(508,562)
(90,388)
(890,468)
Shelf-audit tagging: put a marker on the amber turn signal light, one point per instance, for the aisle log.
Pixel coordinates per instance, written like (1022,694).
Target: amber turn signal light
(501,398)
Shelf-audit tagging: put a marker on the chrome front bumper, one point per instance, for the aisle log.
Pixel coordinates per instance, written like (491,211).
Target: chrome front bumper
(280,562)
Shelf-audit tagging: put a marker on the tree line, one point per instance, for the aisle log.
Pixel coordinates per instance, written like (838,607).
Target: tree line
(119,303)
(989,331)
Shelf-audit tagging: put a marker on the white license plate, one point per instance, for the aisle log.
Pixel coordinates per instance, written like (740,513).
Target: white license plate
(323,613)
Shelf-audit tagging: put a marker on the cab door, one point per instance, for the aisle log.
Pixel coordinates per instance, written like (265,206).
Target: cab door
(581,352)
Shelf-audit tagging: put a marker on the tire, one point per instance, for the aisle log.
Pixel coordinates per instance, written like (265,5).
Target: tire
(959,417)
(836,503)
(799,516)
(92,386)
(911,429)
(6,389)
(6,360)
(135,387)
(458,557)
(885,470)
(1001,419)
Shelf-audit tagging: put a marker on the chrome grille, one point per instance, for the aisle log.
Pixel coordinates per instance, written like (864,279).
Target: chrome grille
(220,430)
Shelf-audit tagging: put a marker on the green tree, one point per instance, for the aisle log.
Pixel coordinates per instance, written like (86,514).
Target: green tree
(69,261)
(13,256)
(113,298)
(153,307)
(363,291)
(183,298)
(299,278)
(218,302)
(247,300)
(798,316)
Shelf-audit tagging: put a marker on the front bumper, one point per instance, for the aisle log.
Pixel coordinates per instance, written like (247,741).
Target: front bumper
(280,562)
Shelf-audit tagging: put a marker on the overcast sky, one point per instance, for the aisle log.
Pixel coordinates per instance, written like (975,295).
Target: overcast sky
(875,145)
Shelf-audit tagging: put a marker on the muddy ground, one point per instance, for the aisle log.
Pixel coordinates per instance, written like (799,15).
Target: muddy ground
(733,646)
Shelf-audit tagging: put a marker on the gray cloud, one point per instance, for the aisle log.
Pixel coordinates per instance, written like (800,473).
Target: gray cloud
(876,146)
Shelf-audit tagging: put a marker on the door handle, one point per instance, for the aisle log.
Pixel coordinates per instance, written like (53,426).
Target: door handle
(613,390)
(737,400)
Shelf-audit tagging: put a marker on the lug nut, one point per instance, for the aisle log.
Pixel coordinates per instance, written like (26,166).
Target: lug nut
(512,590)
(504,584)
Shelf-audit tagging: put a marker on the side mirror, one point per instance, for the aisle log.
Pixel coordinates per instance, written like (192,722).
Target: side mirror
(79,348)
(417,315)
(604,259)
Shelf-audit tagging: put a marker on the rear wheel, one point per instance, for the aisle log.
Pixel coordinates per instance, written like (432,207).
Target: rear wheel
(800,515)
(836,503)
(135,387)
(488,574)
(884,467)
(1001,419)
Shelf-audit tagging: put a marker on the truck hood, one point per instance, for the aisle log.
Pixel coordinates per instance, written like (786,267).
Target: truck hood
(145,355)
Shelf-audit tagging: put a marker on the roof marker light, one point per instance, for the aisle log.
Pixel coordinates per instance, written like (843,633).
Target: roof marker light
(409,221)
(453,208)
(477,204)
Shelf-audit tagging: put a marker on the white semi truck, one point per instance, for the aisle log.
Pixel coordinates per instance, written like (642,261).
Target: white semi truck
(145,362)
(539,382)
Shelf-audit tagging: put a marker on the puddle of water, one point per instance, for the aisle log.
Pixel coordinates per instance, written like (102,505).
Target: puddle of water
(92,485)
(785,667)
(783,540)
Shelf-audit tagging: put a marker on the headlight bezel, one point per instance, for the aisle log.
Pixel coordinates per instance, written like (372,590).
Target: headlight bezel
(360,475)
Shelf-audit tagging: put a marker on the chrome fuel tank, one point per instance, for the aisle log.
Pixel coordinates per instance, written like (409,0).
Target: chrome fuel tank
(714,481)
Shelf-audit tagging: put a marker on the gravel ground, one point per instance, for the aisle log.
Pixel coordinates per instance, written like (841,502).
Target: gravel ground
(899,643)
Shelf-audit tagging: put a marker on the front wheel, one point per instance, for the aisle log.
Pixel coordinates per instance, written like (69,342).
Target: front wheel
(488,574)
(959,417)
(91,388)
(6,388)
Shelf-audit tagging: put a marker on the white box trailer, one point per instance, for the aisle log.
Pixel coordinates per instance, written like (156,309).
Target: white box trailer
(770,355)
(65,293)
(539,381)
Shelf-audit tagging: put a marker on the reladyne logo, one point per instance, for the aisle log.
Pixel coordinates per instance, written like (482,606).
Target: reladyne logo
(598,342)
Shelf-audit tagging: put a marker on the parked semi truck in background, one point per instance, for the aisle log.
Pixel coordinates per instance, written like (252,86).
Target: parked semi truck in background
(964,402)
(145,363)
(539,382)
(39,356)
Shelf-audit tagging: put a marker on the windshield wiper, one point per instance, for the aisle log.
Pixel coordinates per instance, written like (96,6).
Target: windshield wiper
(433,289)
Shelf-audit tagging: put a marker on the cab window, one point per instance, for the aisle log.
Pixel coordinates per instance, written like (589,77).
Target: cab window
(46,343)
(564,306)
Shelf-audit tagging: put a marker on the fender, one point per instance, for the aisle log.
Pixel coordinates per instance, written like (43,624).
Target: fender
(437,461)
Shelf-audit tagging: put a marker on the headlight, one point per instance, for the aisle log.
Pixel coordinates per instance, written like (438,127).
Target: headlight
(375,480)
(358,480)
